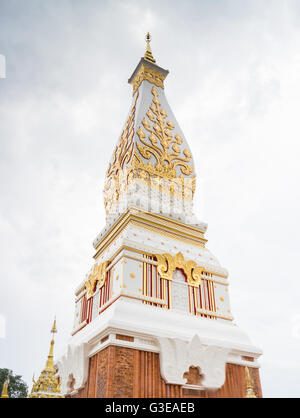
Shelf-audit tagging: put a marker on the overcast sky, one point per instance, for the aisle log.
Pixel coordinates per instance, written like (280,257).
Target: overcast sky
(234,86)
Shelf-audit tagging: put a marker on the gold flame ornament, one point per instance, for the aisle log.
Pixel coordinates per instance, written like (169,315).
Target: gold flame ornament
(98,275)
(167,264)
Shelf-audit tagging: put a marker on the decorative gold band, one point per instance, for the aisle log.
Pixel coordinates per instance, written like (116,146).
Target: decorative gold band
(147,73)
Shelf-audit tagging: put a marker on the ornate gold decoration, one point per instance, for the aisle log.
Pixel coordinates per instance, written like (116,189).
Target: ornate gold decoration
(169,168)
(249,385)
(167,264)
(159,143)
(117,177)
(4,393)
(48,384)
(98,274)
(149,74)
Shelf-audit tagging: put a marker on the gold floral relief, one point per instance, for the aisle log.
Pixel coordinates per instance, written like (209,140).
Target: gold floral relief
(167,264)
(169,168)
(157,142)
(147,73)
(115,174)
(98,274)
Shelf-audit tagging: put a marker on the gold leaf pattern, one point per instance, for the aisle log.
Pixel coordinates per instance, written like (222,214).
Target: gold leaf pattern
(147,73)
(122,156)
(155,141)
(167,264)
(98,274)
(158,145)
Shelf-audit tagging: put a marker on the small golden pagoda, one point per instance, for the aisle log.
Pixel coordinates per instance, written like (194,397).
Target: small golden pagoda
(48,384)
(4,393)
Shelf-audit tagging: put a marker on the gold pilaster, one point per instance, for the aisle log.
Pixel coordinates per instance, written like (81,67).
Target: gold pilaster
(249,385)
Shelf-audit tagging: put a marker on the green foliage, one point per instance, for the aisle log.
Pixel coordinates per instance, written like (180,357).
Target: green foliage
(17,388)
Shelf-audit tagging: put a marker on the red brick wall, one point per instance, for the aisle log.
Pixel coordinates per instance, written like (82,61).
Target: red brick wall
(119,372)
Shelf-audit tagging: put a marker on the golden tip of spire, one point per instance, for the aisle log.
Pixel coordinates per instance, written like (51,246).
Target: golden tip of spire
(54,329)
(148,54)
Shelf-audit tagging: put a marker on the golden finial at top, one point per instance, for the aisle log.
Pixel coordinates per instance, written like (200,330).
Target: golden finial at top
(148,54)
(54,329)
(49,364)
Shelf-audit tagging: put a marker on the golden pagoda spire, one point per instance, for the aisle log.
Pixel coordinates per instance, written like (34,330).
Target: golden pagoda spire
(49,364)
(54,329)
(48,384)
(148,54)
(4,393)
(249,388)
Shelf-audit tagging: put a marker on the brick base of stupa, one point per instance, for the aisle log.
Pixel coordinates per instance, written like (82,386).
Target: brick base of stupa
(120,372)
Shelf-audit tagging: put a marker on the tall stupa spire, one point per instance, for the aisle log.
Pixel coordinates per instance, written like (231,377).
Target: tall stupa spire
(49,364)
(152,166)
(48,384)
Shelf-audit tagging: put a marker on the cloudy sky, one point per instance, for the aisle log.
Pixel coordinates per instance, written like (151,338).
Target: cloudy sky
(234,86)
